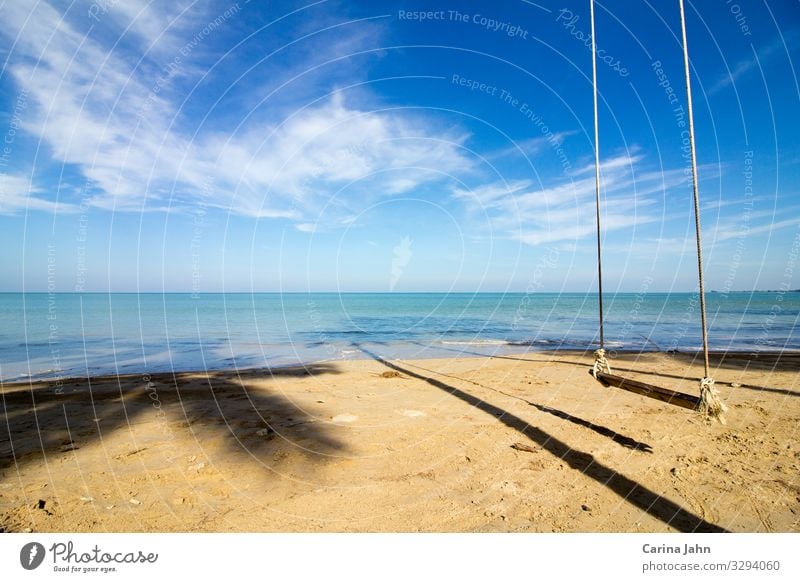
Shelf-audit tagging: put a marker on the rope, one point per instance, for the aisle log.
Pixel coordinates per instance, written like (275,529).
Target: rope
(597,185)
(600,363)
(695,192)
(710,402)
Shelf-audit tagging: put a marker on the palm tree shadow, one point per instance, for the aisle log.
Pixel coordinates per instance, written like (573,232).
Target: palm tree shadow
(44,422)
(638,495)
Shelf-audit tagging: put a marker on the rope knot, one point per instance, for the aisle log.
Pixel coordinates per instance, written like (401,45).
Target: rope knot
(600,363)
(710,403)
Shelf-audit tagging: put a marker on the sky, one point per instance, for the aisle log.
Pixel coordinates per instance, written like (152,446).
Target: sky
(395,146)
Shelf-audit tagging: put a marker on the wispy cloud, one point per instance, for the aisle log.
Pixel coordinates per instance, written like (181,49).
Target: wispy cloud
(741,201)
(315,153)
(731,229)
(566,211)
(110,113)
(486,195)
(535,145)
(744,67)
(17,194)
(156,27)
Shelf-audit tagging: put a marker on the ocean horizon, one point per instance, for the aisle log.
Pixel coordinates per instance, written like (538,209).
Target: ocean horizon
(58,335)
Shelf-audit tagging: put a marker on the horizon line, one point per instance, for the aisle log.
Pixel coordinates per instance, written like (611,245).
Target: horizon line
(198,293)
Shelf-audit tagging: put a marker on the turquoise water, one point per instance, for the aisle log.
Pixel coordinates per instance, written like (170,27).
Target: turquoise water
(52,335)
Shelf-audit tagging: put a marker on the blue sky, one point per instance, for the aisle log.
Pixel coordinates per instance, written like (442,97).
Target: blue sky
(272,146)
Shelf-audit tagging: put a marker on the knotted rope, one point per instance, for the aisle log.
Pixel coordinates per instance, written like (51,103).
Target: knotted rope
(710,403)
(600,363)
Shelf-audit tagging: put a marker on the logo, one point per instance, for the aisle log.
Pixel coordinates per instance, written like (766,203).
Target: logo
(31,555)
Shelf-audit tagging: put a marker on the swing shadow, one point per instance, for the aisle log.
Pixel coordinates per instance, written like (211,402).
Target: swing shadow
(648,501)
(753,387)
(740,361)
(618,438)
(509,357)
(767,361)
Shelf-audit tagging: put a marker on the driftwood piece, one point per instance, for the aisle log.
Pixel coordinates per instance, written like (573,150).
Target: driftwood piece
(655,392)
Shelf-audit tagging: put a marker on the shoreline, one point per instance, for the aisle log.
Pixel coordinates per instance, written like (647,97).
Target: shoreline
(527,443)
(778,358)
(50,338)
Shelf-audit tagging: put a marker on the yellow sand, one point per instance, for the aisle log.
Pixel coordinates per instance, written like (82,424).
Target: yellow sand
(516,443)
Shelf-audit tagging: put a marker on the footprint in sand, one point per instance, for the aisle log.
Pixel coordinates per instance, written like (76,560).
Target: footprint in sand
(344,418)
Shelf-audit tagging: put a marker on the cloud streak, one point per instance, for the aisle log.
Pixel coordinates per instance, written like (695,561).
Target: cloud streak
(744,67)
(566,211)
(110,113)
(18,194)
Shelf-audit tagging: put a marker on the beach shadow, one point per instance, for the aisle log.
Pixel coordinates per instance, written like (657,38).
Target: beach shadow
(463,352)
(763,361)
(769,361)
(730,360)
(638,495)
(618,438)
(754,387)
(45,422)
(740,361)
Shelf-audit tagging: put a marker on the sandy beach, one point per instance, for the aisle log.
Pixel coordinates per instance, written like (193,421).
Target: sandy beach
(527,443)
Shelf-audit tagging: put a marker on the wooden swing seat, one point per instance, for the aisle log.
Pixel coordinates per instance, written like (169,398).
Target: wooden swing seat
(644,389)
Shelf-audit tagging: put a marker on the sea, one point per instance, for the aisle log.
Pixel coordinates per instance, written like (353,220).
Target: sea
(61,335)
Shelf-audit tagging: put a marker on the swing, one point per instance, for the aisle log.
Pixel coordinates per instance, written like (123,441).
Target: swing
(708,402)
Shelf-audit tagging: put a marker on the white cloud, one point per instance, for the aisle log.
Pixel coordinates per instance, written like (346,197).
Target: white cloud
(730,229)
(566,211)
(18,194)
(332,149)
(154,24)
(488,194)
(741,201)
(104,110)
(306,227)
(535,145)
(744,67)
